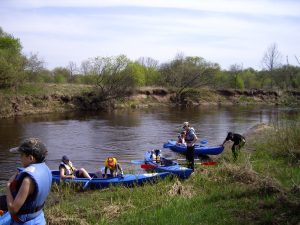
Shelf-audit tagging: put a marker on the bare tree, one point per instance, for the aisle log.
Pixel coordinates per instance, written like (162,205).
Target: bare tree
(272,60)
(297,60)
(72,67)
(34,64)
(148,62)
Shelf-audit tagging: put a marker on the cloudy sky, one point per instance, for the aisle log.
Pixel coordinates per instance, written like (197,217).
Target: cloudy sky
(222,31)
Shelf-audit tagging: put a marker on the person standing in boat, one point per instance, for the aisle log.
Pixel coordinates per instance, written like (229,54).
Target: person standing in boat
(181,138)
(27,190)
(113,166)
(238,142)
(67,170)
(190,139)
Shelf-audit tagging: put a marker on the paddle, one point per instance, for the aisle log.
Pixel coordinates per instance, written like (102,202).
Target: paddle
(148,166)
(87,184)
(202,163)
(204,141)
(136,161)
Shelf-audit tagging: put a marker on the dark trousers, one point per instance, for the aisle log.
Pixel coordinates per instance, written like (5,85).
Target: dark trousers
(190,157)
(3,205)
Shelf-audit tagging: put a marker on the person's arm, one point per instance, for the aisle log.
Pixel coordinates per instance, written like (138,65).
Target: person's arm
(226,139)
(63,175)
(120,169)
(105,172)
(195,139)
(27,188)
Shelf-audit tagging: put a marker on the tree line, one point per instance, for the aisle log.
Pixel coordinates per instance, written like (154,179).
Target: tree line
(120,74)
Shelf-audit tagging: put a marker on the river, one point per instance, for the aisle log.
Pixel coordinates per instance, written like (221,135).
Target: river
(88,138)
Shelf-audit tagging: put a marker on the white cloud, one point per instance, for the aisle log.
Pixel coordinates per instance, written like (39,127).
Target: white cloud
(223,31)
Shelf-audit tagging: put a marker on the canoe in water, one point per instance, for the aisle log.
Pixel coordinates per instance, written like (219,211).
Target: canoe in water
(199,149)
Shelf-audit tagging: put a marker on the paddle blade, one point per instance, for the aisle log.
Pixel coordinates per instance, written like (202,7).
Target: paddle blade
(204,142)
(86,185)
(148,166)
(208,163)
(137,161)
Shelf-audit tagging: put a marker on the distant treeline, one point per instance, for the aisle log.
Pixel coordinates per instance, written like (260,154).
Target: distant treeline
(119,73)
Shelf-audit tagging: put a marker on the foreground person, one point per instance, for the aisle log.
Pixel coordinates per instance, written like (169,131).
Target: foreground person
(27,190)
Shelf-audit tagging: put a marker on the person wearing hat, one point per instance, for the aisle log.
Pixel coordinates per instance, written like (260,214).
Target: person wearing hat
(113,166)
(27,190)
(238,142)
(190,139)
(67,170)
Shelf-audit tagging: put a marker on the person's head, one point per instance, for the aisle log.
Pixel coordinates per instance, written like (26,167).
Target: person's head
(157,152)
(230,134)
(65,159)
(111,162)
(32,150)
(183,133)
(186,125)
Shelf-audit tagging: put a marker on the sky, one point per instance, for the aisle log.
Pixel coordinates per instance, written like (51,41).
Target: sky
(226,32)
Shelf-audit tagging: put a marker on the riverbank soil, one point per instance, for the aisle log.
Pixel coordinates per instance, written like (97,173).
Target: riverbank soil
(48,98)
(261,187)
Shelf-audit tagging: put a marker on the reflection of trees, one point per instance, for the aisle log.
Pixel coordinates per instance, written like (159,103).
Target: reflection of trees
(11,133)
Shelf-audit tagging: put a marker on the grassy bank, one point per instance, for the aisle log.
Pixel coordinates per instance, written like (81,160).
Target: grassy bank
(262,187)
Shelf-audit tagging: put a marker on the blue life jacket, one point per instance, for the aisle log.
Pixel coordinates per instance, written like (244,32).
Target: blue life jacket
(31,212)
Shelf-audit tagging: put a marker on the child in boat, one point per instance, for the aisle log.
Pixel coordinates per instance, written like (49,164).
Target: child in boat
(181,138)
(238,142)
(27,190)
(67,170)
(113,166)
(156,155)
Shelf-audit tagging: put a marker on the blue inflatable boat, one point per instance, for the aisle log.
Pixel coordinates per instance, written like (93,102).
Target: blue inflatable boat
(199,148)
(5,219)
(126,179)
(165,165)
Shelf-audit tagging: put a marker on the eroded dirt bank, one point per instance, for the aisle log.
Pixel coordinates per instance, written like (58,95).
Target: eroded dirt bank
(144,97)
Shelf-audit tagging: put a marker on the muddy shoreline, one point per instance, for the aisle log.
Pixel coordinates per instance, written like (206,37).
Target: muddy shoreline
(144,97)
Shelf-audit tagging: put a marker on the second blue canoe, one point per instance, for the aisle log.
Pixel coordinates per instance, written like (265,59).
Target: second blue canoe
(167,166)
(199,149)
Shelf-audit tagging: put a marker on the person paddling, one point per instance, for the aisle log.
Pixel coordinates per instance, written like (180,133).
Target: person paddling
(27,190)
(238,142)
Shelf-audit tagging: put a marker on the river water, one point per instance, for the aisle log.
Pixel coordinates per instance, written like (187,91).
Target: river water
(88,138)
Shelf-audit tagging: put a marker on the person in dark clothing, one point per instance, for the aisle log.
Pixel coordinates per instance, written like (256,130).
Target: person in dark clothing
(238,142)
(190,139)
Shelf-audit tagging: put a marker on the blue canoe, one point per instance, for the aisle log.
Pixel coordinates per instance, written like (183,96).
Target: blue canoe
(199,149)
(126,180)
(167,166)
(5,219)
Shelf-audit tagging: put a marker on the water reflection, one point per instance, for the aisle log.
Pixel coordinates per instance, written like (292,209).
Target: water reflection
(88,138)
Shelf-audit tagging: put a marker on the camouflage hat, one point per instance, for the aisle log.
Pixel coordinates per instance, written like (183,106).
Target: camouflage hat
(32,146)
(185,124)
